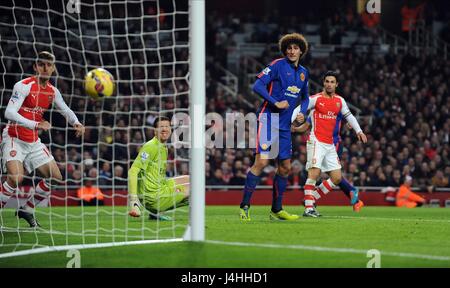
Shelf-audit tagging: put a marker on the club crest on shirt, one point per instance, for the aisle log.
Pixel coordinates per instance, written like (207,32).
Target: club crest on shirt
(338,104)
(302,76)
(13,153)
(144,156)
(264,146)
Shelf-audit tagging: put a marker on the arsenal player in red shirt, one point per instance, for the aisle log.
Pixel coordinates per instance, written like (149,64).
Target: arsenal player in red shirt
(21,147)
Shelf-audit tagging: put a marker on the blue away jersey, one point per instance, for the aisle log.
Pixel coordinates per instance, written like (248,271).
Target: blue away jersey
(282,81)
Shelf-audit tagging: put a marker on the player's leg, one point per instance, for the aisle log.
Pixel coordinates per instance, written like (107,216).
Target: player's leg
(170,196)
(184,181)
(280,181)
(251,181)
(13,180)
(348,189)
(311,195)
(332,165)
(263,143)
(41,160)
(315,155)
(13,155)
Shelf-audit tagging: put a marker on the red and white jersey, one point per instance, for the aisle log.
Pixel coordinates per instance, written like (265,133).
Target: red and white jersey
(324,116)
(27,106)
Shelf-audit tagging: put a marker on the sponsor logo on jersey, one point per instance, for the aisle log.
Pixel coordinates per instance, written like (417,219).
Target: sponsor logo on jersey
(292,91)
(15,96)
(144,156)
(13,153)
(302,76)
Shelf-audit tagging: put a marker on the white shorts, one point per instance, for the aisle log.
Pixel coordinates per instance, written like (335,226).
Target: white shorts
(321,155)
(32,155)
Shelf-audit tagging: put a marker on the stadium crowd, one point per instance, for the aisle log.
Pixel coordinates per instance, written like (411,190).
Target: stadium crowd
(403,99)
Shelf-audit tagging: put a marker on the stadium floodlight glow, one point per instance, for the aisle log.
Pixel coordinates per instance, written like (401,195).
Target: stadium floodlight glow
(156,52)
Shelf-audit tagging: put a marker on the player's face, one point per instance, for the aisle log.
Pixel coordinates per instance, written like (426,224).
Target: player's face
(293,52)
(44,69)
(163,131)
(330,84)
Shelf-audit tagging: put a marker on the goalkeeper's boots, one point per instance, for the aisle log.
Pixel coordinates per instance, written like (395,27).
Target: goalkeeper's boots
(354,196)
(245,213)
(282,215)
(357,207)
(311,212)
(29,217)
(159,217)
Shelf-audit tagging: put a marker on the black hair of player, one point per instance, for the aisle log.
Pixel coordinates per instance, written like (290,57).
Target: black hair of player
(331,73)
(159,119)
(293,38)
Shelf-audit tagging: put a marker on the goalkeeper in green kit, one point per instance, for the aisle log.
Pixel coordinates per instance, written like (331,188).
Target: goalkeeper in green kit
(148,186)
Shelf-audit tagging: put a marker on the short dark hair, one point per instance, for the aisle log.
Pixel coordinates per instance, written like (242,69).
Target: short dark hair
(45,55)
(331,73)
(293,38)
(159,119)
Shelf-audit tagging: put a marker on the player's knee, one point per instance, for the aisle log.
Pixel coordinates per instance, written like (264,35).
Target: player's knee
(284,169)
(336,179)
(15,180)
(313,173)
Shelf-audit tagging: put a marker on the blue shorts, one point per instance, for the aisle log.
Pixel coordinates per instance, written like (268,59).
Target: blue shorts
(271,142)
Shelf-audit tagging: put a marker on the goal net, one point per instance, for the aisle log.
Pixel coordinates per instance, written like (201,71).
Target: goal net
(145,46)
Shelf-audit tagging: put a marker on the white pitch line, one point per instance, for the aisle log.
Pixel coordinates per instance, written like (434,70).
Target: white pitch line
(330,249)
(386,218)
(84,246)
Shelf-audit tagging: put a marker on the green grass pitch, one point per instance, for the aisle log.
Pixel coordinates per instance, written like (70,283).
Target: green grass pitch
(341,238)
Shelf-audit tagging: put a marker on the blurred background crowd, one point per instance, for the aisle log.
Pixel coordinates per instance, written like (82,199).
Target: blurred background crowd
(397,86)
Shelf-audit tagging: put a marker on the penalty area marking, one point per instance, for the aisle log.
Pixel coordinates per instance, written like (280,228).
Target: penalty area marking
(330,249)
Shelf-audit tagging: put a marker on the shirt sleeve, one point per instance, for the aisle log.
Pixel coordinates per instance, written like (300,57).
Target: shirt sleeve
(347,114)
(20,92)
(140,163)
(305,94)
(311,104)
(64,109)
(268,75)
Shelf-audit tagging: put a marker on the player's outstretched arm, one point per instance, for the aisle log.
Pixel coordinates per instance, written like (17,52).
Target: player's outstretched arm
(68,114)
(352,121)
(135,206)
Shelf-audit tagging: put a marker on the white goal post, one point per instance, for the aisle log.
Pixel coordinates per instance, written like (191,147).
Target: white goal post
(145,64)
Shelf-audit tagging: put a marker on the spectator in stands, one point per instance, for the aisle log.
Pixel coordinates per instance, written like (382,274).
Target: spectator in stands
(89,194)
(439,180)
(406,198)
(105,174)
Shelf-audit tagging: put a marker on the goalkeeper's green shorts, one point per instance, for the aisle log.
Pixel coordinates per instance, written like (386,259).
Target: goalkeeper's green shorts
(168,197)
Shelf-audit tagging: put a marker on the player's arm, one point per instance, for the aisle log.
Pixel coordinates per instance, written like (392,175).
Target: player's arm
(352,121)
(68,114)
(140,163)
(305,97)
(260,86)
(303,127)
(20,92)
(298,116)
